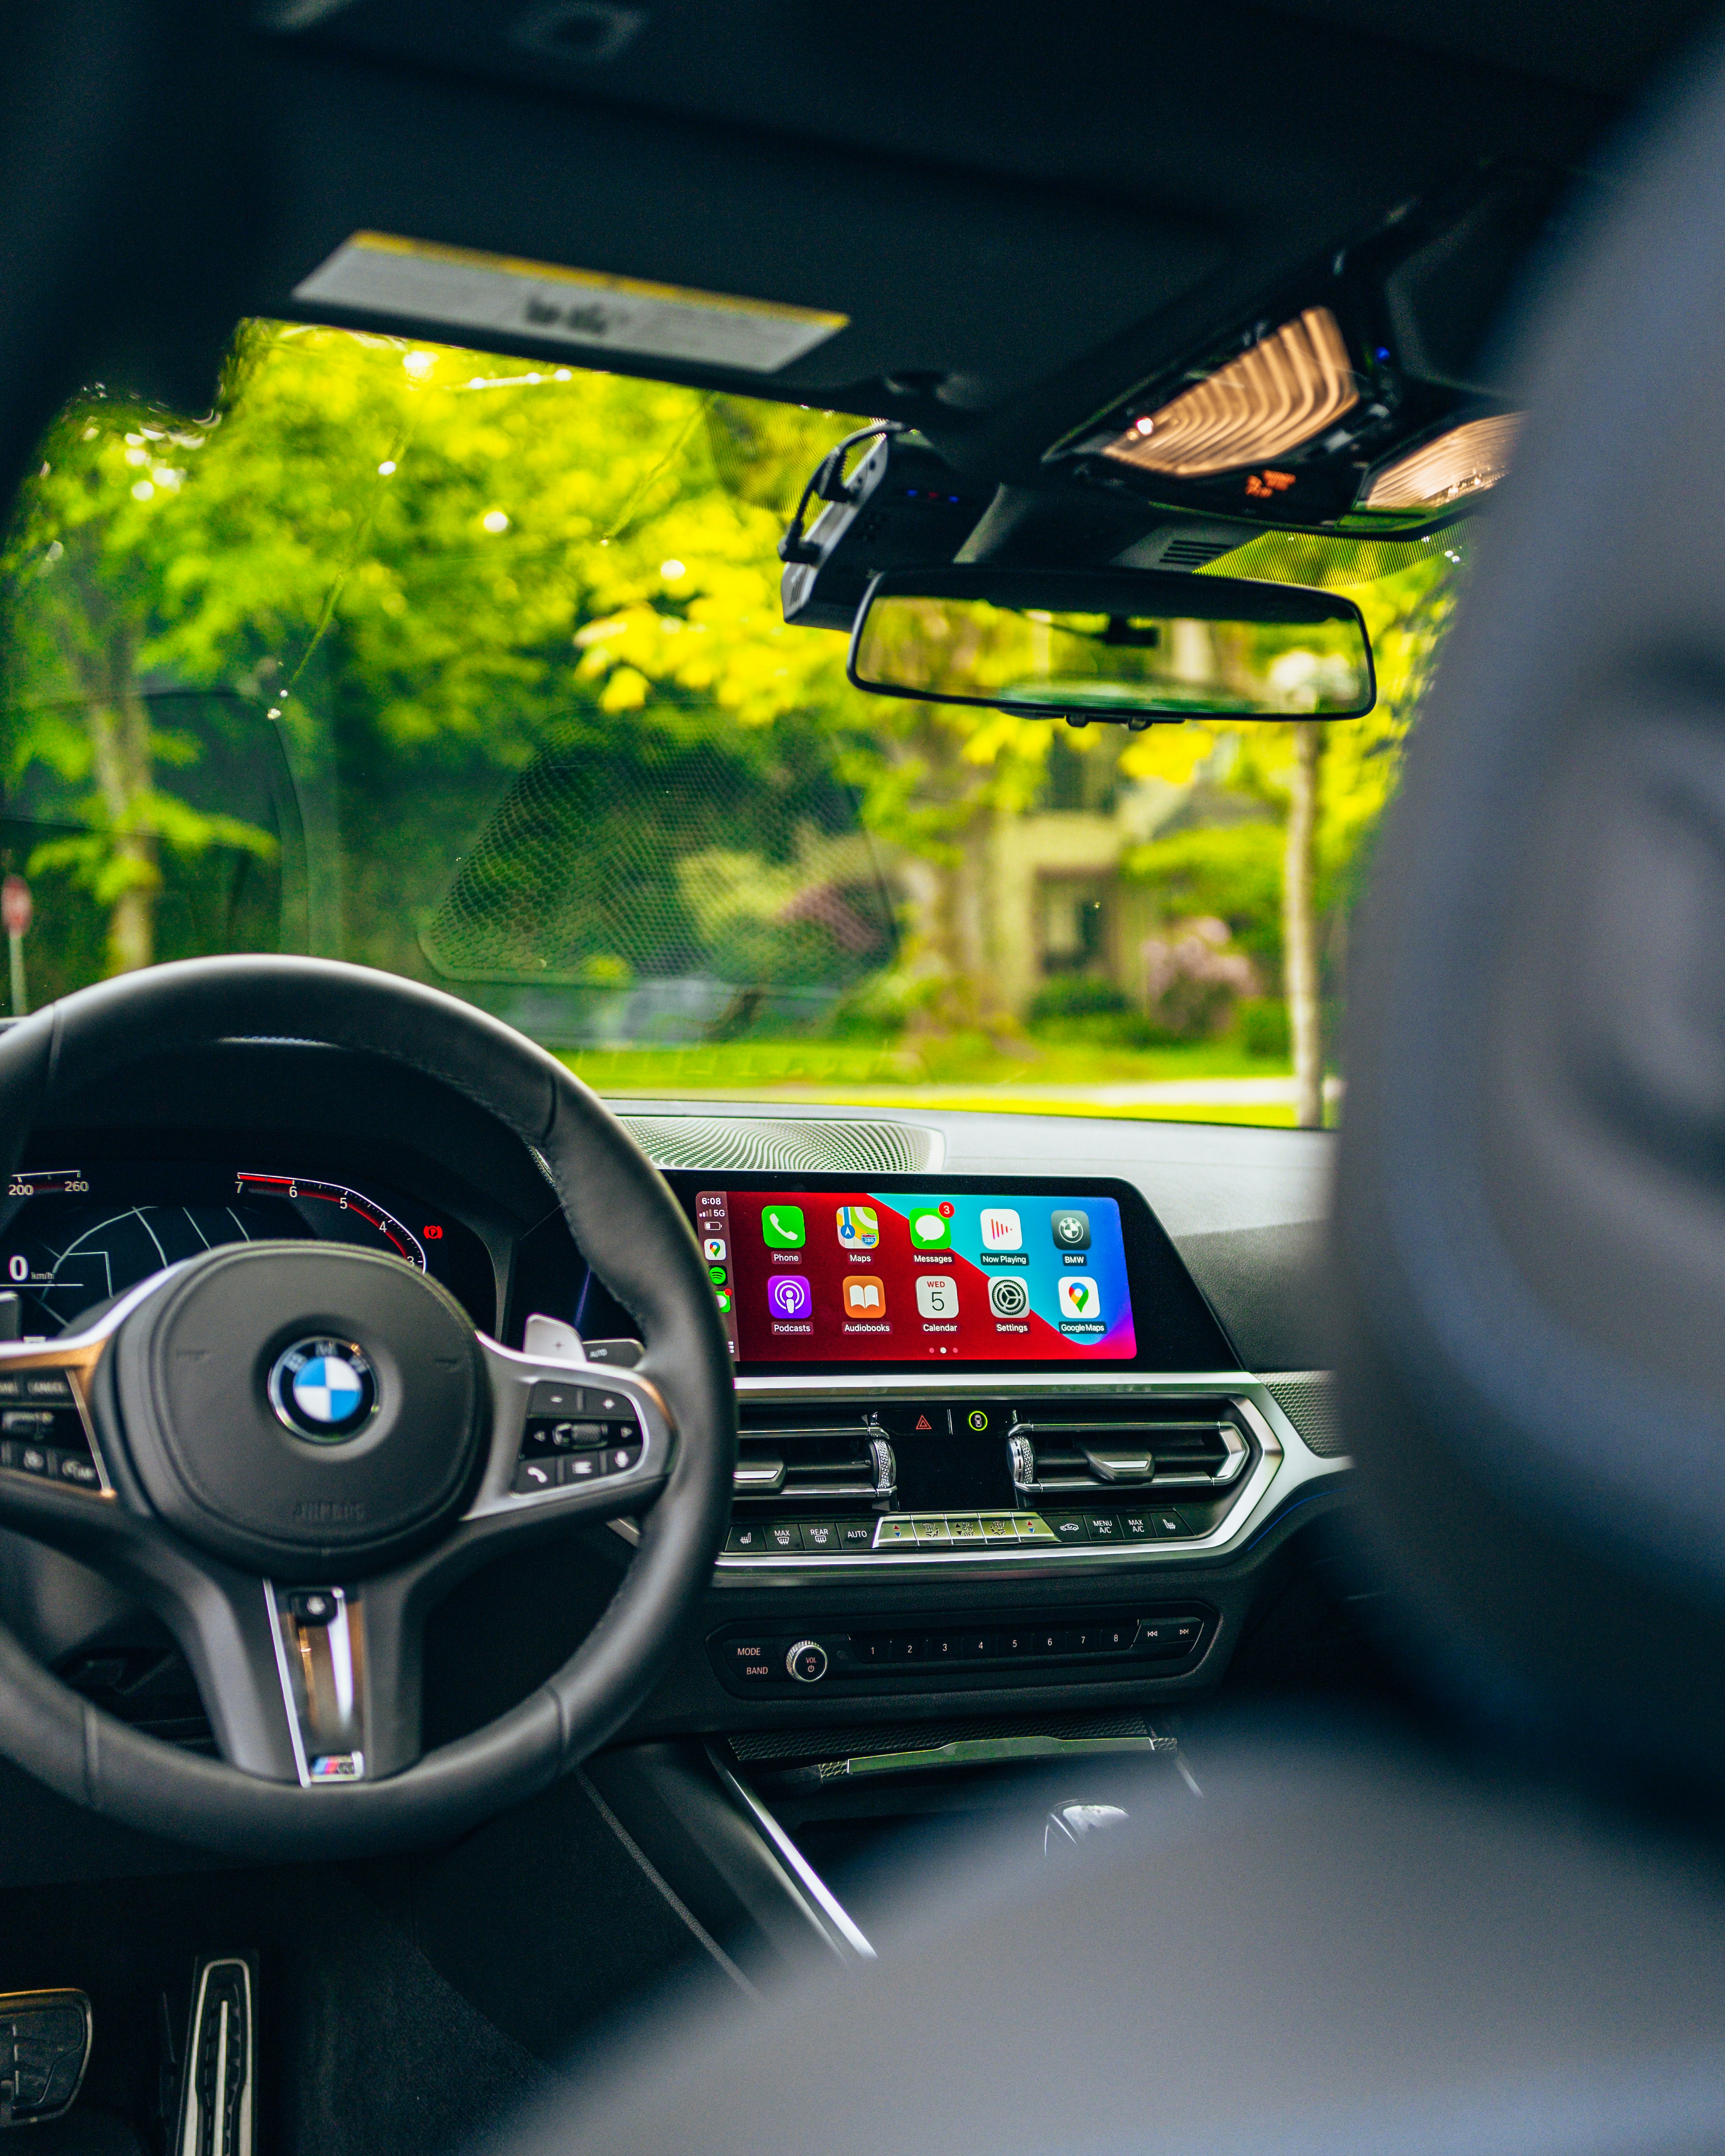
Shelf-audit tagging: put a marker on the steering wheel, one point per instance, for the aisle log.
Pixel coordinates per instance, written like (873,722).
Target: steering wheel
(290,1452)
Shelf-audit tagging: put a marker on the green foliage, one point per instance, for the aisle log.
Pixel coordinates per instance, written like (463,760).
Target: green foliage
(1231,871)
(1077,1008)
(1075,995)
(1261,1026)
(437,572)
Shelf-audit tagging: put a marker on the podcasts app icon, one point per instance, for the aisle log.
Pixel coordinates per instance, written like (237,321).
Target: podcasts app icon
(789,1296)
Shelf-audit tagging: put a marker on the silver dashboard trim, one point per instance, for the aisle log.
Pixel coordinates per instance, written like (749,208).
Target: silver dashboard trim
(1286,1467)
(828,1915)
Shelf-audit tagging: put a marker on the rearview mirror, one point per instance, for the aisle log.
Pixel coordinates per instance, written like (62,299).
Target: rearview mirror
(1132,646)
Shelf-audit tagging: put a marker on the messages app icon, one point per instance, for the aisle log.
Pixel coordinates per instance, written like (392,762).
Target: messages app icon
(782,1225)
(931,1229)
(859,1227)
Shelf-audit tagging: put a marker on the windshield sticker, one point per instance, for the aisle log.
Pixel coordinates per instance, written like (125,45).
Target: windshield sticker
(456,288)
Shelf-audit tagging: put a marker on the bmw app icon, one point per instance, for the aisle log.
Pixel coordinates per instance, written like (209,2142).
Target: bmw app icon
(323,1389)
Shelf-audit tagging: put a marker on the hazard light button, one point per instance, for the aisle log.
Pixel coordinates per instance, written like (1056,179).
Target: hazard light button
(914,1419)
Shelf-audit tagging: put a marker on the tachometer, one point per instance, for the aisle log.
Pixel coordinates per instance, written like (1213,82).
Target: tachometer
(367,1212)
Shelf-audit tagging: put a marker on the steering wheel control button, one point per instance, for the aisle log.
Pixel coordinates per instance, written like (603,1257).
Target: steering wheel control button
(75,1468)
(550,1398)
(324,1389)
(313,1606)
(807,1661)
(533,1475)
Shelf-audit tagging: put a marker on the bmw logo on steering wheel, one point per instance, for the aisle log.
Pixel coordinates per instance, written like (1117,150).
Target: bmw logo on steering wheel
(323,1389)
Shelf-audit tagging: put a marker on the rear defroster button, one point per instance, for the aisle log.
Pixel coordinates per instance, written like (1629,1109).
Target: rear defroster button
(807,1661)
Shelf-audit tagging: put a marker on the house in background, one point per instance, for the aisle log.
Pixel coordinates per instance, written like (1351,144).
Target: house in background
(1058,903)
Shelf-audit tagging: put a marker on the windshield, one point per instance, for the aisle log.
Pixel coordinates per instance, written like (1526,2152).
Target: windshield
(476,671)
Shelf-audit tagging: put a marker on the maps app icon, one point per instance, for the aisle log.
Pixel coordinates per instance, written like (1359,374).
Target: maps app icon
(859,1227)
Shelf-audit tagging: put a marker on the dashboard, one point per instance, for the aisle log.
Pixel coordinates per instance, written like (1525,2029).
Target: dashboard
(1026,1428)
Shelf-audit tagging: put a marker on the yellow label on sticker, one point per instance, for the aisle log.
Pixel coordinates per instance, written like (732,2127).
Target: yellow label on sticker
(458,287)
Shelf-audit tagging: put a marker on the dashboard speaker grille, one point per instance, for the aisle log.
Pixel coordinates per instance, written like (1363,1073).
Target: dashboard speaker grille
(772,1145)
(1308,1399)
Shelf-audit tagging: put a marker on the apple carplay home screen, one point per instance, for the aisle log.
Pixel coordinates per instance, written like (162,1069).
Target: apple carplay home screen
(893,1276)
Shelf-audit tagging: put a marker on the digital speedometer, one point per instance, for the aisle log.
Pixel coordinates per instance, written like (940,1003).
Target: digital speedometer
(74,1235)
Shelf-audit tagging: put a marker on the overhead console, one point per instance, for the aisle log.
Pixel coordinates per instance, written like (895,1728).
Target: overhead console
(966,1372)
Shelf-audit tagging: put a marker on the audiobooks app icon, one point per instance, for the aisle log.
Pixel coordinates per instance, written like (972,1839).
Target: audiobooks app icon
(865,1296)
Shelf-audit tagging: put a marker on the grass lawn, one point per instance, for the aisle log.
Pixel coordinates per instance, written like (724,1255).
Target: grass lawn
(958,1072)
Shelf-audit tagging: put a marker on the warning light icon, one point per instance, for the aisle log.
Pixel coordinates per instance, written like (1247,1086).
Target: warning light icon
(923,1423)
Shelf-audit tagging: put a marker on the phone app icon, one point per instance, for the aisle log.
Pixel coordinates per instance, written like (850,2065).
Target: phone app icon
(1008,1295)
(724,1299)
(1070,1230)
(859,1227)
(1002,1229)
(1078,1297)
(865,1296)
(931,1229)
(789,1296)
(937,1294)
(783,1227)
(714,1250)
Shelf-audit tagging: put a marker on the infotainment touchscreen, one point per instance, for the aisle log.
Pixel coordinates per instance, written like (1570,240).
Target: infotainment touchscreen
(834,1276)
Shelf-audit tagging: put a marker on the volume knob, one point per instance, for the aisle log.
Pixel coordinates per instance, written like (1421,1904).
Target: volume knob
(807,1661)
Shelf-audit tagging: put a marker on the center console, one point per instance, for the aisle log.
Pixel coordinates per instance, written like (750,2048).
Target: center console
(962,1375)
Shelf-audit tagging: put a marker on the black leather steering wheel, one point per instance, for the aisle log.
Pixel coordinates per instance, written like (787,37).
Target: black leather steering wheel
(292,1525)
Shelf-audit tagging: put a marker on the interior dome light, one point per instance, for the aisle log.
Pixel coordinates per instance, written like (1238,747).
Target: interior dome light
(1466,460)
(1288,388)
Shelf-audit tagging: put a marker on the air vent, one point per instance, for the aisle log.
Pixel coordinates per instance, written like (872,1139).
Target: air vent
(1195,553)
(804,1457)
(772,1145)
(1116,1446)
